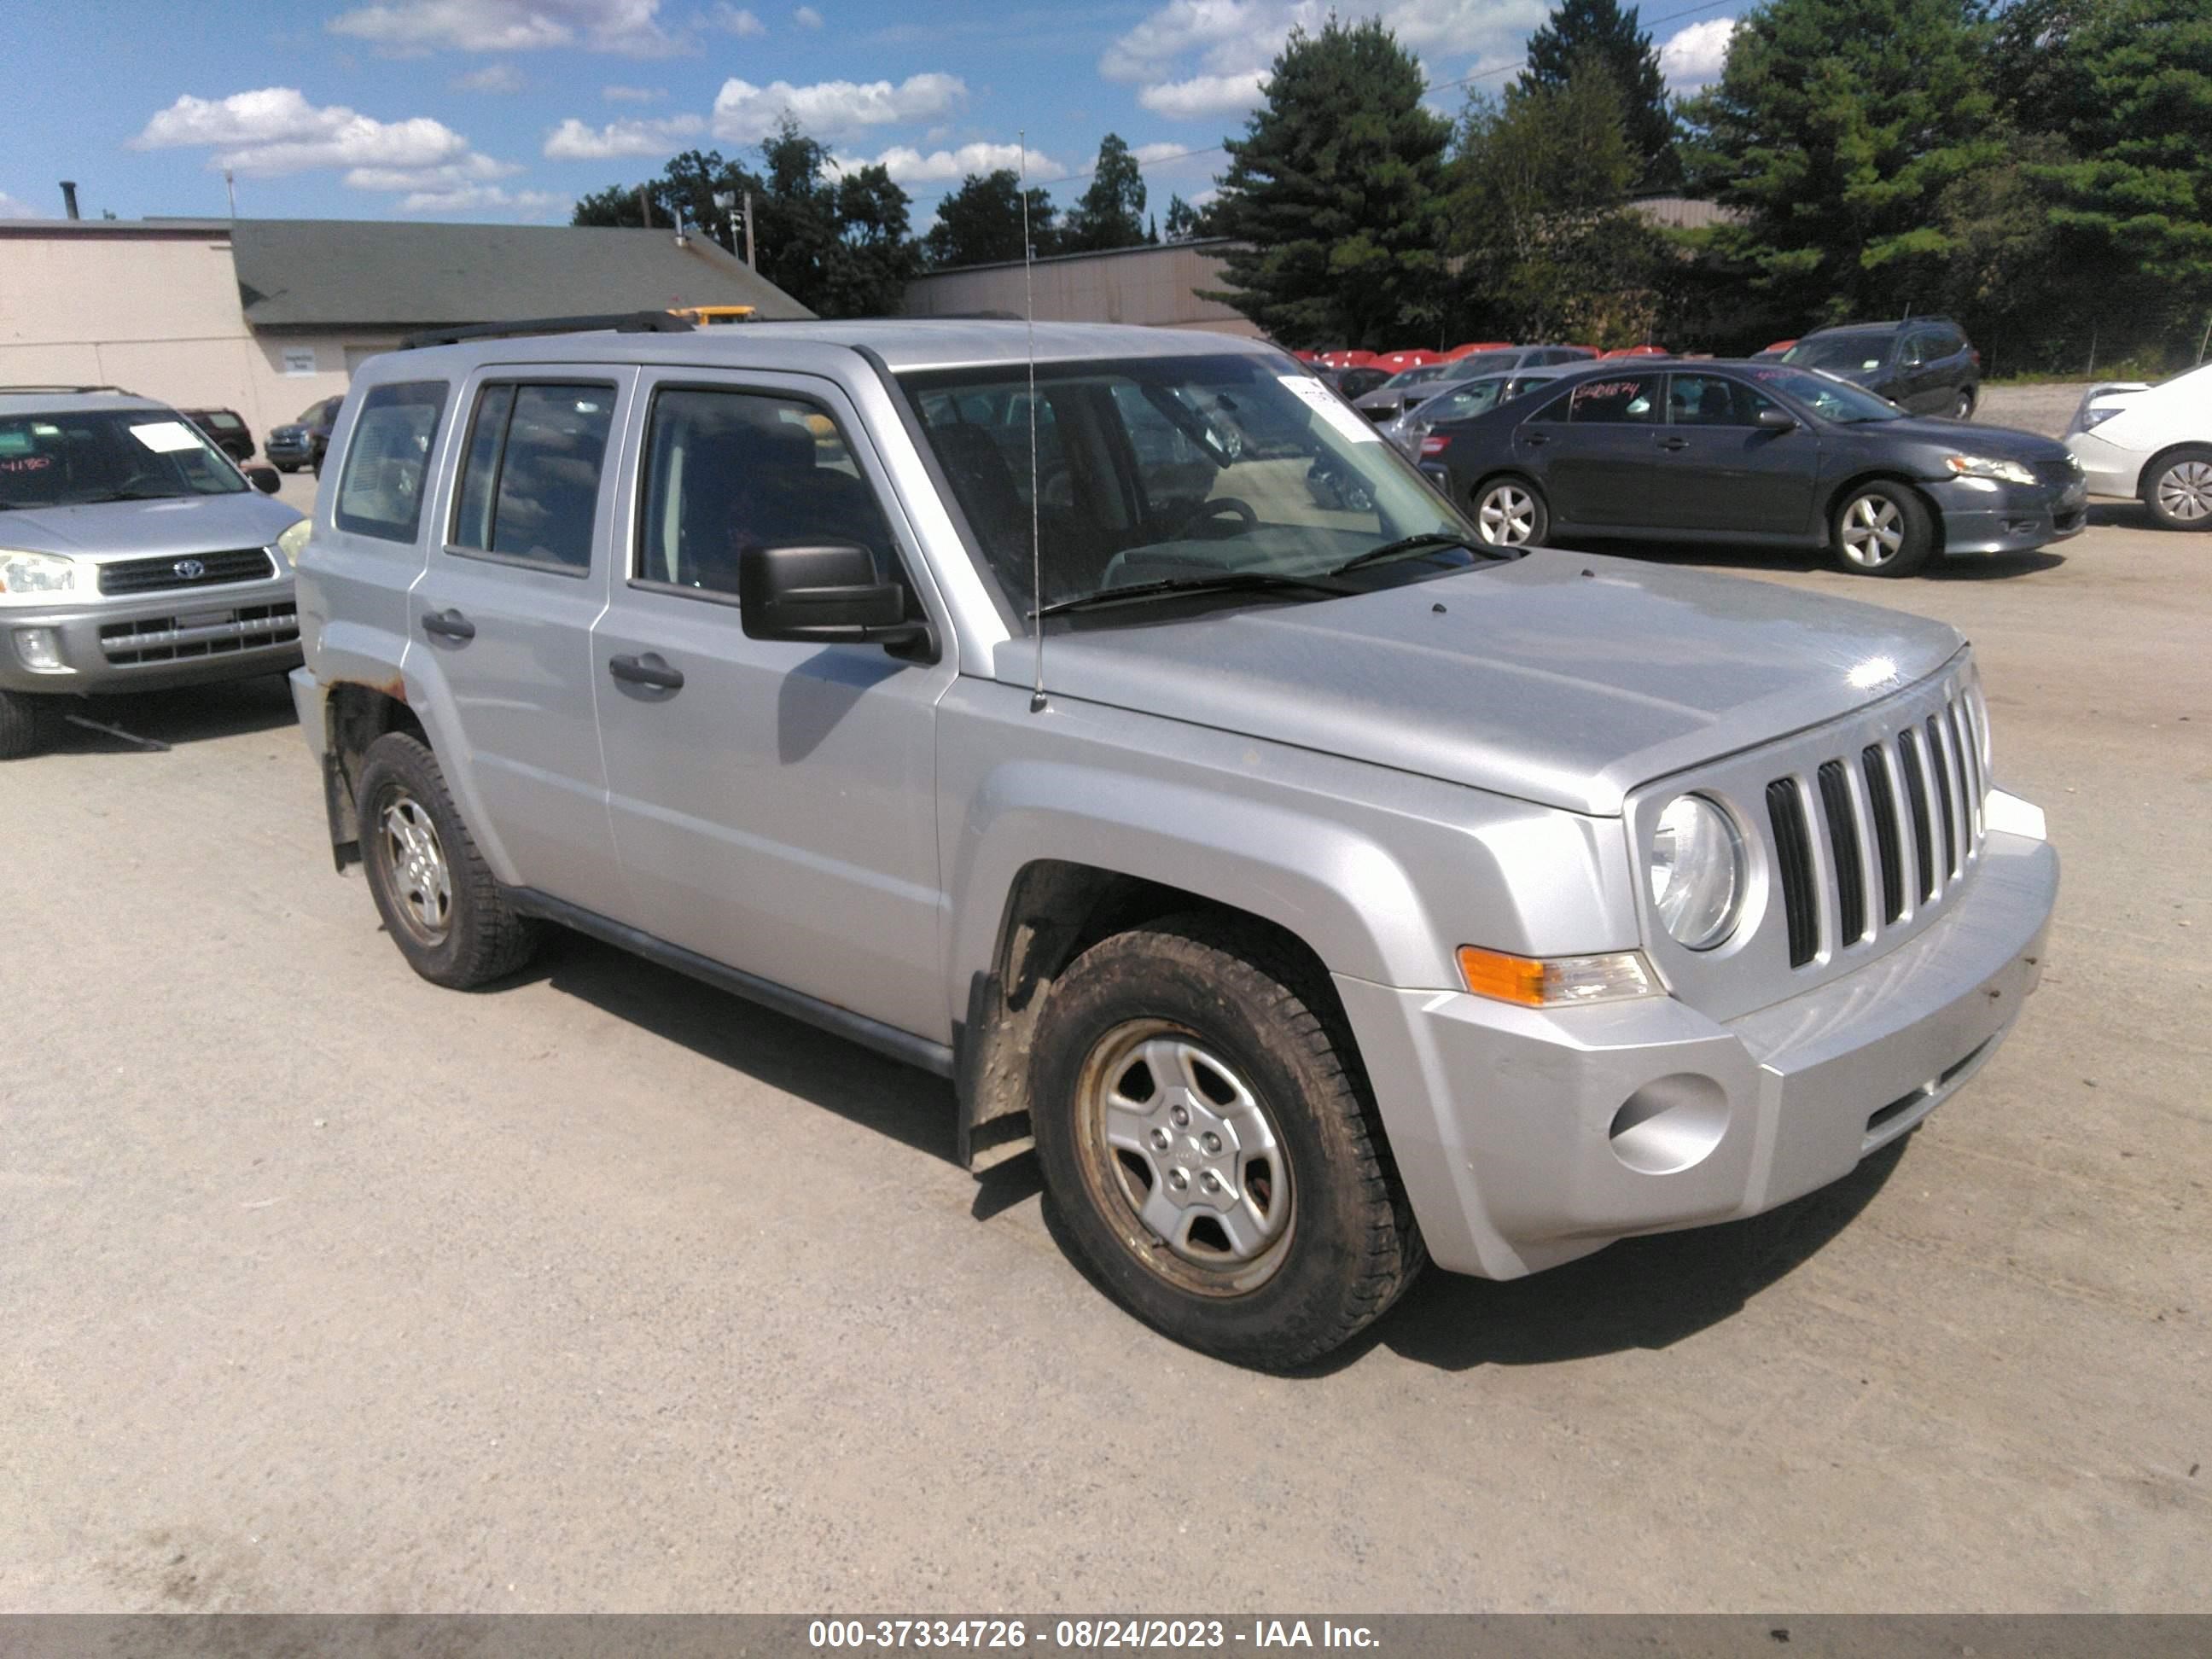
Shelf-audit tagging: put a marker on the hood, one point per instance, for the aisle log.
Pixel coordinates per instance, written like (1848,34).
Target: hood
(129,530)
(1968,438)
(1564,679)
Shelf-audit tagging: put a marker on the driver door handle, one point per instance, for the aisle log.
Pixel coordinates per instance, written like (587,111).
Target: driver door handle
(1535,439)
(449,625)
(1673,443)
(651,669)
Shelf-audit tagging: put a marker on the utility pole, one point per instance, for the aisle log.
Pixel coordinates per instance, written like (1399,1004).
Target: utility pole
(748,228)
(644,207)
(230,187)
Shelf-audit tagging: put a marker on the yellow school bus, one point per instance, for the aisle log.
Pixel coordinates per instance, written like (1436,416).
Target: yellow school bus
(710,316)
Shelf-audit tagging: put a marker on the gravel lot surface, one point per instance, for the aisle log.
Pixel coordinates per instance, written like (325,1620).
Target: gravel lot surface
(328,1290)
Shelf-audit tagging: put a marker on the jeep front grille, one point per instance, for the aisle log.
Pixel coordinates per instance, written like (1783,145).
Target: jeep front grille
(1902,817)
(174,638)
(245,564)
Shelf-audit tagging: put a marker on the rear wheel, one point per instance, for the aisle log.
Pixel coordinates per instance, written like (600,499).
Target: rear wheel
(1962,407)
(1202,1127)
(23,725)
(2179,490)
(438,898)
(1511,512)
(1883,529)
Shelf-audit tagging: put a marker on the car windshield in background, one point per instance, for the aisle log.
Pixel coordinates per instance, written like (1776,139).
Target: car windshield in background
(1486,362)
(1844,352)
(1176,469)
(1424,374)
(1831,399)
(86,456)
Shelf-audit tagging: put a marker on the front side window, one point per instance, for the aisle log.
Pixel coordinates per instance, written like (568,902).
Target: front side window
(1712,400)
(1615,400)
(1169,468)
(729,470)
(529,482)
(1828,397)
(388,460)
(80,458)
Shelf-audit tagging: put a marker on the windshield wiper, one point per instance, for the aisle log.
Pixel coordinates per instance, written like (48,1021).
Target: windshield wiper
(1230,581)
(1402,546)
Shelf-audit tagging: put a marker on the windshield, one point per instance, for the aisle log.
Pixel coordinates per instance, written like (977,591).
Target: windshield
(1165,468)
(83,456)
(1422,375)
(1831,399)
(1846,353)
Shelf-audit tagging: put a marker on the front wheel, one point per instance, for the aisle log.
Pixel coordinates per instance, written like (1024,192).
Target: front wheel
(2179,490)
(1883,530)
(1511,513)
(1205,1141)
(22,726)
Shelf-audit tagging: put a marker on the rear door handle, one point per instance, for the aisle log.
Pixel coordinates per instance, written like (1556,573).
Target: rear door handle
(1673,443)
(1535,439)
(648,670)
(449,625)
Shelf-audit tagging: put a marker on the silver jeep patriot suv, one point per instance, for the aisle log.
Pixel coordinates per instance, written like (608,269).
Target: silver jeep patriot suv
(1322,890)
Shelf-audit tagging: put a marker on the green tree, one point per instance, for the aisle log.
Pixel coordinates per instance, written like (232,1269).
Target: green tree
(1537,214)
(1334,193)
(1582,30)
(1110,213)
(980,222)
(1836,127)
(1182,223)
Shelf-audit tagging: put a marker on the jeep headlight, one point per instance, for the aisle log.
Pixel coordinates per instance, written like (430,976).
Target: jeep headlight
(24,575)
(293,539)
(1989,466)
(1697,872)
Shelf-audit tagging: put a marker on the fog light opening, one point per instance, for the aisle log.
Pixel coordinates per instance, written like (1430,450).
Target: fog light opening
(39,649)
(1670,1124)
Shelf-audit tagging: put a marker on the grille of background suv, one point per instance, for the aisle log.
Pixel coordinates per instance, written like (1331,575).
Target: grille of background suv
(245,564)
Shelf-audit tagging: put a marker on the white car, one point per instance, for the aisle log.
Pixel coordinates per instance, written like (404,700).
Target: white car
(2151,442)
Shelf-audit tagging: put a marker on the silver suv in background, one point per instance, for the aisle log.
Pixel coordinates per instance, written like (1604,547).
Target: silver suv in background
(134,555)
(1324,891)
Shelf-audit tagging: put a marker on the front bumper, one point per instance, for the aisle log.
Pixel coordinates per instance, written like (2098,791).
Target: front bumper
(155,641)
(2106,469)
(1525,1139)
(1988,515)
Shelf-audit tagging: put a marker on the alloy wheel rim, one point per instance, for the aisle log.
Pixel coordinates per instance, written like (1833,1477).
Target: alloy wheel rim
(1873,532)
(2185,491)
(421,878)
(1184,1158)
(1506,516)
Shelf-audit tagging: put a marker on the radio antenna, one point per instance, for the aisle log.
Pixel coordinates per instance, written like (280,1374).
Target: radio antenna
(1029,320)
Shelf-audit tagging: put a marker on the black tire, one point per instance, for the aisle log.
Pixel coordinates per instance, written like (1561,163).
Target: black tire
(2178,488)
(1881,529)
(475,936)
(1510,511)
(22,726)
(1962,406)
(287,471)
(1346,1246)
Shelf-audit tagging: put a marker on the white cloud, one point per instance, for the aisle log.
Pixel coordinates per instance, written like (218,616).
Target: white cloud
(1203,95)
(633,94)
(630,28)
(12,208)
(522,204)
(1693,58)
(573,141)
(471,170)
(492,77)
(276,131)
(909,166)
(807,18)
(733,20)
(743,112)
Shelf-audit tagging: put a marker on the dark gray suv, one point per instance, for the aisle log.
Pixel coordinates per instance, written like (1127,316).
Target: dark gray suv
(1924,365)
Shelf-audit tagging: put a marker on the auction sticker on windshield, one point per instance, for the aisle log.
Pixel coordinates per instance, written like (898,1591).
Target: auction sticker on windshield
(164,437)
(1325,403)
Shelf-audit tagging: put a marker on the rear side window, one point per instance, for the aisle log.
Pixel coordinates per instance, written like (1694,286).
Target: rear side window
(530,483)
(380,493)
(1712,400)
(1625,399)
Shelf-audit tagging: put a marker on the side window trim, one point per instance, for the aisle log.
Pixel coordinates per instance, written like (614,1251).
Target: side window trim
(478,390)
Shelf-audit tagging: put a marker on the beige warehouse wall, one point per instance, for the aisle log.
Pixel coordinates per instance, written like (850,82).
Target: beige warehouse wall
(157,314)
(1158,287)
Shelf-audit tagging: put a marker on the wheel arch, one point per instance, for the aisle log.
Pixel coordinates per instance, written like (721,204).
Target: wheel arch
(355,715)
(2159,457)
(1835,498)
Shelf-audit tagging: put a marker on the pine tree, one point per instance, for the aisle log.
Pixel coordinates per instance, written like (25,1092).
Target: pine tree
(1584,29)
(980,222)
(1334,193)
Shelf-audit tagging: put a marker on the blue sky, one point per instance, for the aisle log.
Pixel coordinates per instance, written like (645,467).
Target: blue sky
(509,109)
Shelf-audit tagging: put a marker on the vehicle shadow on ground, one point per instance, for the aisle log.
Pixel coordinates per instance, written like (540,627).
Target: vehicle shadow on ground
(191,715)
(1978,567)
(899,1101)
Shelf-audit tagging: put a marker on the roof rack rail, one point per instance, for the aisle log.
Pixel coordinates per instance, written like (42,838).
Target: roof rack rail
(61,391)
(621,322)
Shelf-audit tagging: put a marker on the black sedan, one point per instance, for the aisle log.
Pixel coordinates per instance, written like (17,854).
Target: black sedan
(1754,453)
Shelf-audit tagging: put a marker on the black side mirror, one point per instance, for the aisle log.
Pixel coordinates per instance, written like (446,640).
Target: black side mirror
(266,479)
(828,593)
(1772,419)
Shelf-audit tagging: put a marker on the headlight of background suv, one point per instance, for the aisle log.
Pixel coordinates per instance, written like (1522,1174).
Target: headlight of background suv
(294,539)
(1989,466)
(25,576)
(1697,872)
